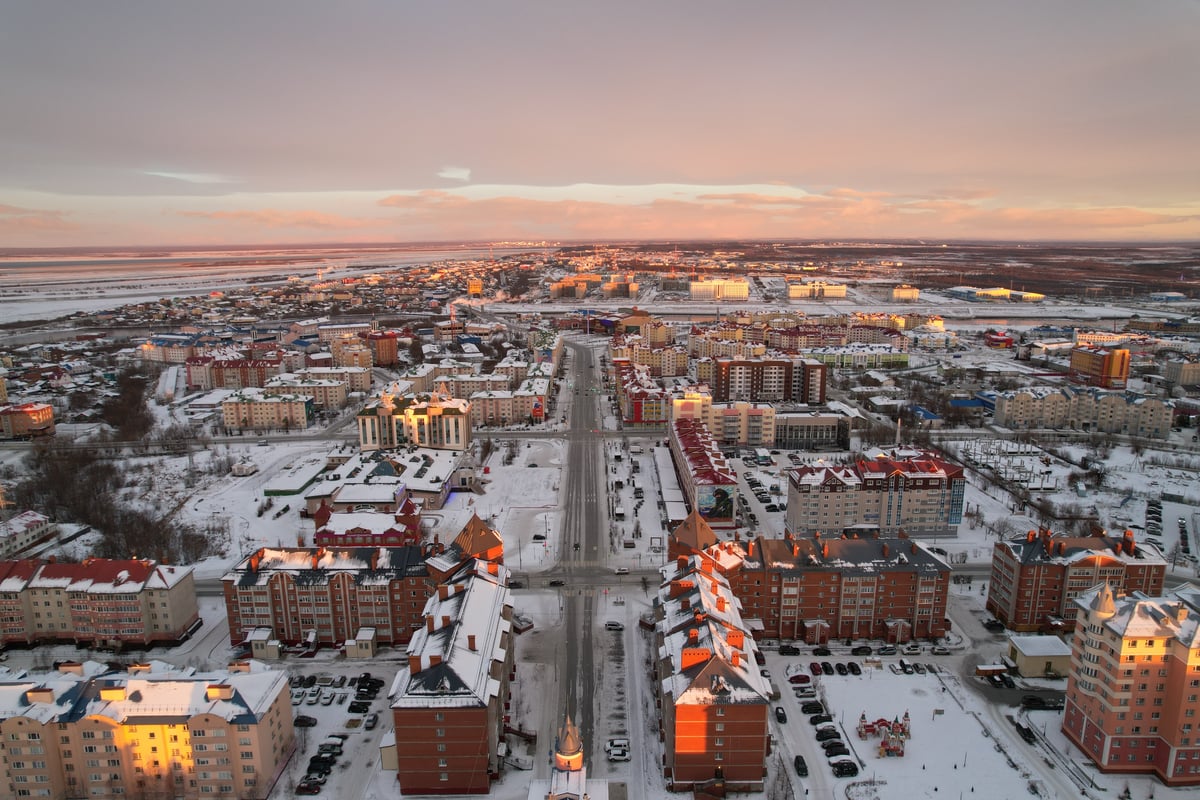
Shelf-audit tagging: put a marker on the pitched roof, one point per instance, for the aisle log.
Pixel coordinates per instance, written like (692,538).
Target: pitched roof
(695,532)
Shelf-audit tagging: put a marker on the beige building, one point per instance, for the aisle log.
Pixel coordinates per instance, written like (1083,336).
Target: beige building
(1086,409)
(433,420)
(905,294)
(255,410)
(1039,656)
(729,289)
(154,731)
(815,290)
(326,393)
(1183,373)
(108,603)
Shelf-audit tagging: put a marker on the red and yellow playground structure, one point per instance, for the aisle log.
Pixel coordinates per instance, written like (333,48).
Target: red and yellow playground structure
(891,734)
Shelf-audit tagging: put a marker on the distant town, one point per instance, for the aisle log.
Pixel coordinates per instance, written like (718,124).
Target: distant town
(604,520)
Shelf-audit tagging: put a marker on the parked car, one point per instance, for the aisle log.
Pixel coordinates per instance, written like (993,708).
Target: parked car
(939,650)
(339,681)
(819,719)
(812,707)
(621,571)
(822,651)
(995,681)
(310,681)
(918,668)
(835,747)
(1008,682)
(799,678)
(841,668)
(308,787)
(844,769)
(296,681)
(618,754)
(360,707)
(616,744)
(887,650)
(826,667)
(854,668)
(780,714)
(789,650)
(303,721)
(370,722)
(801,766)
(861,650)
(814,668)
(613,625)
(825,734)
(341,698)
(911,649)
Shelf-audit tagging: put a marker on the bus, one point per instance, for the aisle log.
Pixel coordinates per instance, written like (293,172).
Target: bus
(762,457)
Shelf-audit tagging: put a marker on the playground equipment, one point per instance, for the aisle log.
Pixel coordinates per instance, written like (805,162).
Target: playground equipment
(892,734)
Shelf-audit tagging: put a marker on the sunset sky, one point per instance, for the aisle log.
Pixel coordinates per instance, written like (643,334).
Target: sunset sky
(162,123)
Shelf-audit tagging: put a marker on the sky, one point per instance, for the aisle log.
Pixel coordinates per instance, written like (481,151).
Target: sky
(289,121)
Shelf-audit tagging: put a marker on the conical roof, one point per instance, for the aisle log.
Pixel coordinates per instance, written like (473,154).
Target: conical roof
(695,532)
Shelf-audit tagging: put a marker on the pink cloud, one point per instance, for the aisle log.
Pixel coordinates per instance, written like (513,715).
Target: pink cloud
(275,218)
(17,219)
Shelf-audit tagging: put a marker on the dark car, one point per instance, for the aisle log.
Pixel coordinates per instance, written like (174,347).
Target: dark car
(854,668)
(780,714)
(841,668)
(360,707)
(825,734)
(822,651)
(557,582)
(801,766)
(1008,682)
(516,584)
(812,707)
(321,761)
(994,625)
(844,769)
(861,650)
(835,748)
(305,722)
(814,668)
(819,719)
(1032,701)
(296,681)
(310,681)
(826,667)
(784,649)
(995,681)
(799,678)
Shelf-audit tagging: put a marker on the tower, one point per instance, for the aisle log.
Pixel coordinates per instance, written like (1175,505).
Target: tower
(568,780)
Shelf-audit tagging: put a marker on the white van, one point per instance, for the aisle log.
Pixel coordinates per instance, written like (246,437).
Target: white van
(613,625)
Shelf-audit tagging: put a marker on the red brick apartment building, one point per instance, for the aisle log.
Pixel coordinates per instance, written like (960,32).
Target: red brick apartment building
(1105,367)
(713,701)
(1133,694)
(452,702)
(819,589)
(101,602)
(324,595)
(800,380)
(1036,578)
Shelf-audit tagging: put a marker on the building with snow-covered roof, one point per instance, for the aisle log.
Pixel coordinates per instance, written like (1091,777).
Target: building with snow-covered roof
(433,420)
(22,531)
(1083,408)
(705,477)
(1132,700)
(152,731)
(104,602)
(713,700)
(1036,577)
(917,492)
(451,700)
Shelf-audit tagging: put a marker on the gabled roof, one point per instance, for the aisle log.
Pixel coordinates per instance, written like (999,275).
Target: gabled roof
(695,532)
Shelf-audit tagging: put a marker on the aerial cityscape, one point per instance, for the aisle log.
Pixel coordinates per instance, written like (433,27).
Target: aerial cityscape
(625,402)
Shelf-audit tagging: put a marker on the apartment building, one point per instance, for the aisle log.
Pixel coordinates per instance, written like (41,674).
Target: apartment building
(322,596)
(727,289)
(152,731)
(435,420)
(714,702)
(1182,373)
(22,531)
(1036,577)
(102,602)
(815,290)
(1107,368)
(662,360)
(26,420)
(242,373)
(913,491)
(1083,408)
(1133,693)
(325,392)
(452,699)
(769,379)
(642,402)
(256,410)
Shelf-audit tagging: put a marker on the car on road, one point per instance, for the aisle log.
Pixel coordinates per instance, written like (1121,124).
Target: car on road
(789,650)
(939,650)
(1035,702)
(370,722)
(621,571)
(556,582)
(780,714)
(801,766)
(887,650)
(861,650)
(854,668)
(613,625)
(994,625)
(822,651)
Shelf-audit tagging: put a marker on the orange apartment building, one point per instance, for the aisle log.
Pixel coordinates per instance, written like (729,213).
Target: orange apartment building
(26,421)
(911,491)
(452,702)
(1036,578)
(820,589)
(153,731)
(101,602)
(1133,693)
(1105,367)
(713,700)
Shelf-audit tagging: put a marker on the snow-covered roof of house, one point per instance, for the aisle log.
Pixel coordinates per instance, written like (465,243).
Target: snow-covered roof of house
(315,565)
(1174,615)
(467,629)
(92,576)
(1036,646)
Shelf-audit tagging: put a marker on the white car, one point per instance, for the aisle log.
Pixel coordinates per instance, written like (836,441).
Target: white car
(621,571)
(616,744)
(618,754)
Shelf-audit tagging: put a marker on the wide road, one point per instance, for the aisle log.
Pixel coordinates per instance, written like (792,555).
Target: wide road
(584,519)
